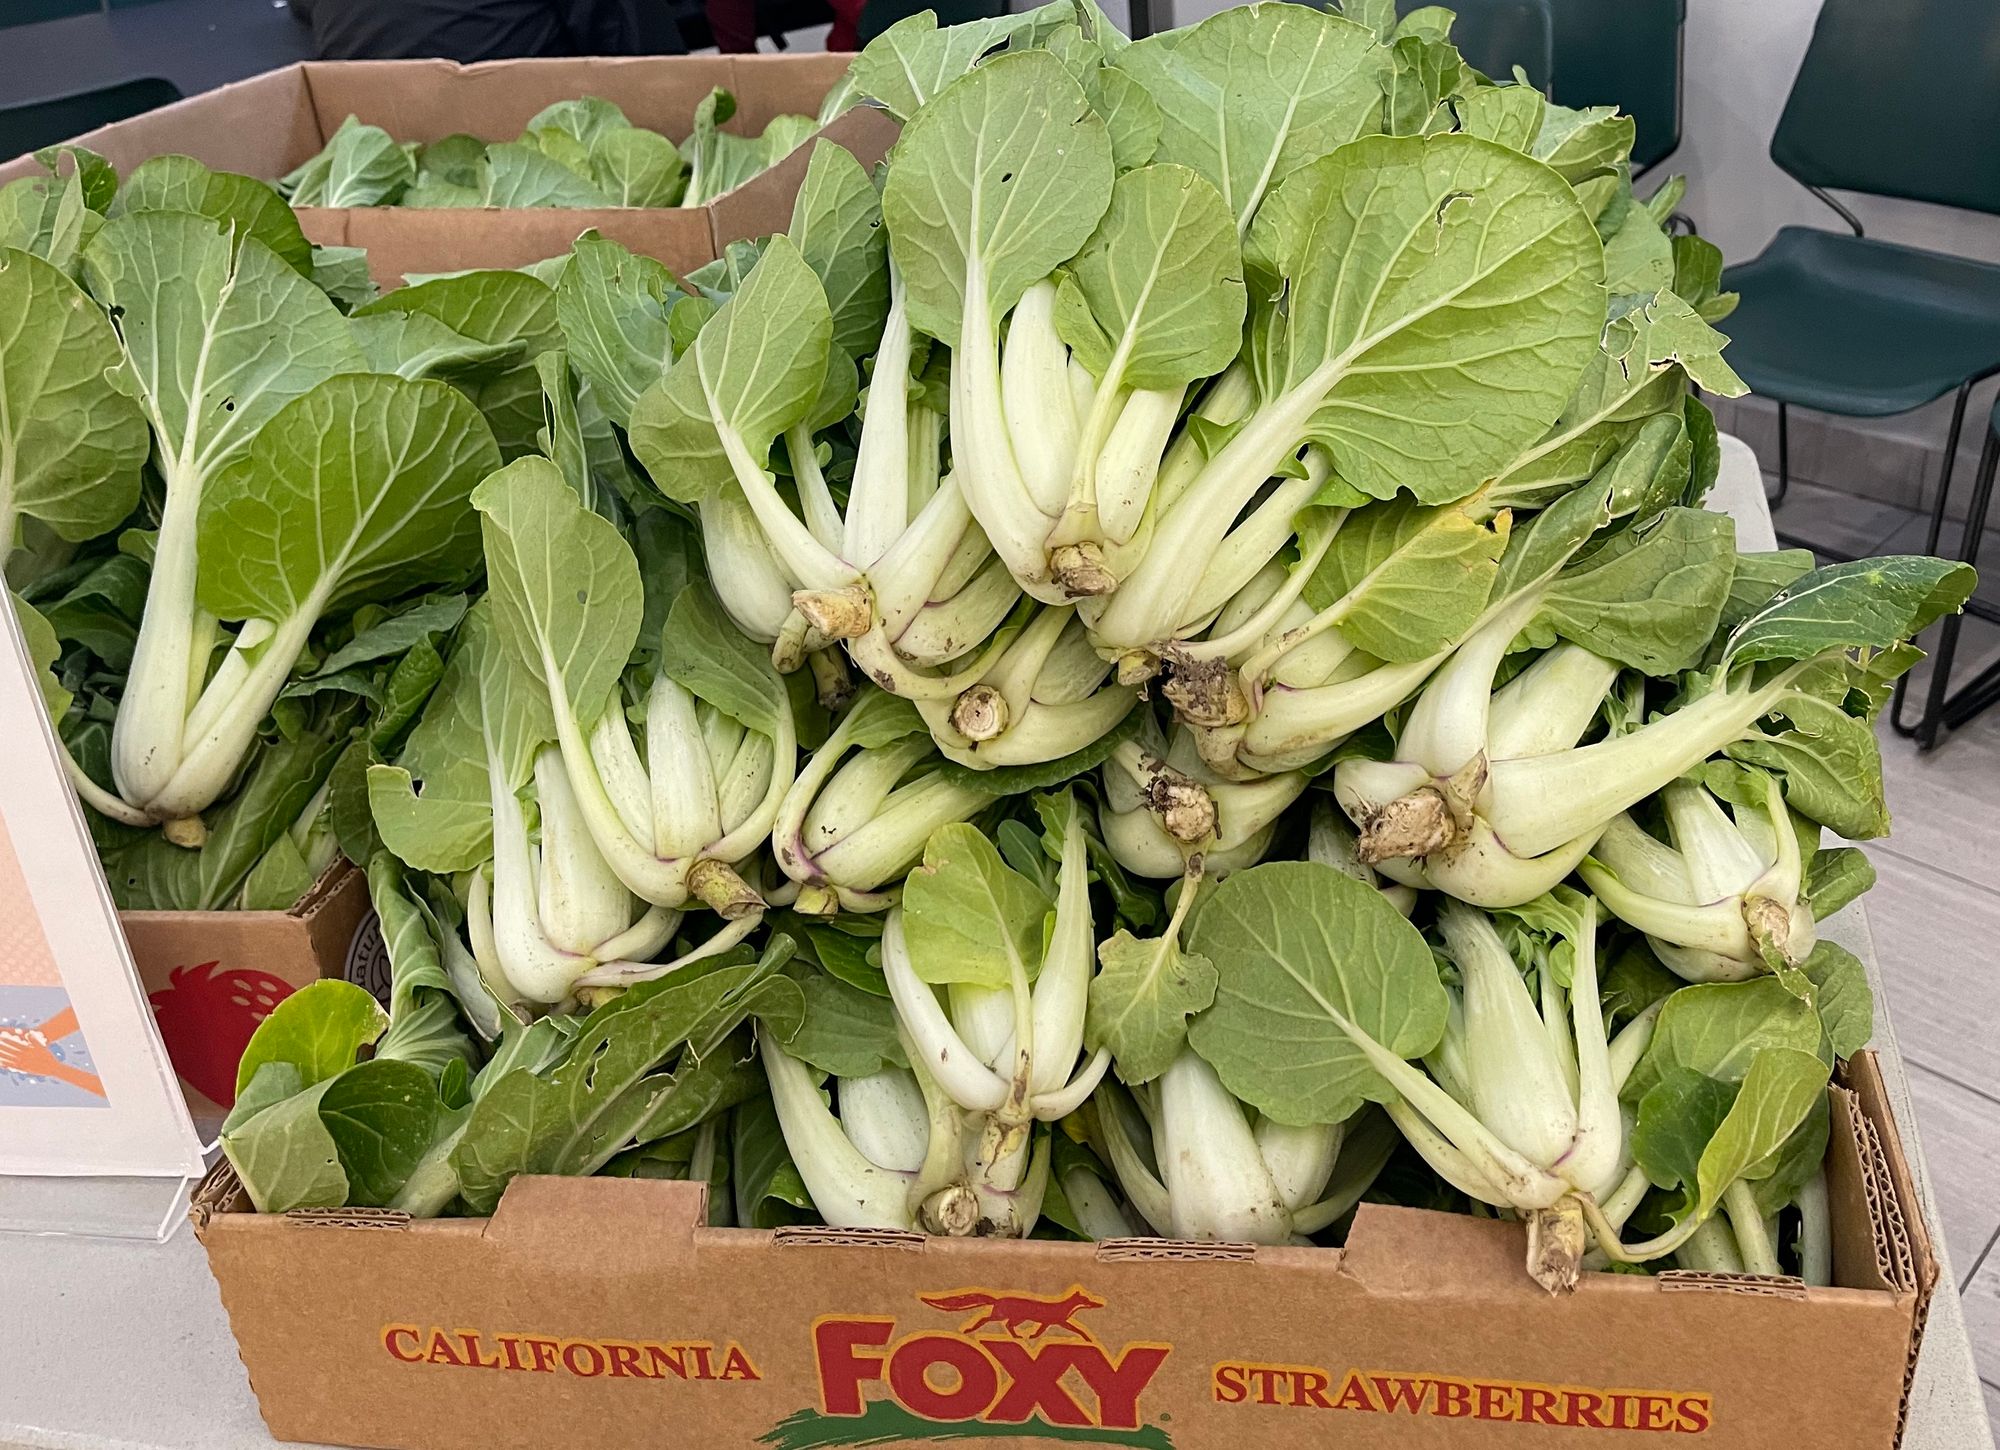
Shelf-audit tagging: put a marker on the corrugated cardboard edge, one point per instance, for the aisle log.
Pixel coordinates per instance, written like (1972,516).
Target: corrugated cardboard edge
(328,889)
(821,1236)
(1907,1244)
(327,894)
(1755,1285)
(1172,1251)
(220,1191)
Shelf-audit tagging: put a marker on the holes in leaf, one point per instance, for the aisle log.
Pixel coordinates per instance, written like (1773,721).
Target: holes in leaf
(597,1055)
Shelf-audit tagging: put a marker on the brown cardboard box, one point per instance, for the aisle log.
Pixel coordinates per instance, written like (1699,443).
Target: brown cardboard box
(267,125)
(212,976)
(603,1310)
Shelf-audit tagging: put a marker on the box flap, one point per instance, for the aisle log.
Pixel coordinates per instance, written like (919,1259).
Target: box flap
(262,127)
(644,1216)
(1864,1254)
(1903,1207)
(1413,1251)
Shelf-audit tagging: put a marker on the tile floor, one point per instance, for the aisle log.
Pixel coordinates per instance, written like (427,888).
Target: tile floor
(1936,914)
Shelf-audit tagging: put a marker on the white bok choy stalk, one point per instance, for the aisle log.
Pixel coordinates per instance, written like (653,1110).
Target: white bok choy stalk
(880,1138)
(1307,653)
(904,556)
(478,793)
(194,308)
(858,815)
(1060,428)
(1152,304)
(1359,359)
(1721,899)
(877,1152)
(1744,1239)
(623,320)
(356,488)
(990,977)
(1785,687)
(1167,814)
(1520,1107)
(1196,1164)
(935,591)
(996,182)
(674,819)
(1045,697)
(1427,801)
(1317,681)
(1331,841)
(1084,1195)
(1523,1110)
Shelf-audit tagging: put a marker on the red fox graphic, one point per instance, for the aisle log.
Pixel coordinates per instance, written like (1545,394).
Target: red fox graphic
(1012,1311)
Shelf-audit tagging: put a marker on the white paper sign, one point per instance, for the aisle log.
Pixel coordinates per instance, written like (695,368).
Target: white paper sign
(85,1084)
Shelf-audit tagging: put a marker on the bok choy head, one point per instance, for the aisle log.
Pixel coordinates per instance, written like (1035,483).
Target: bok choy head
(858,815)
(1730,1116)
(674,819)
(1517,1100)
(1368,361)
(1796,685)
(1723,896)
(288,497)
(479,793)
(990,973)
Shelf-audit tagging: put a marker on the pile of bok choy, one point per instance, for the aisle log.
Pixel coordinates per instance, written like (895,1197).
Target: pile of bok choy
(1146,671)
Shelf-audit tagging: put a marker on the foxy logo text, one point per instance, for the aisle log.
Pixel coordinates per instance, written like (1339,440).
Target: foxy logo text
(1029,1366)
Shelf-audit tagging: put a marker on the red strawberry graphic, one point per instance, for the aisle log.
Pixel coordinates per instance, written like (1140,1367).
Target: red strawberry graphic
(206,1016)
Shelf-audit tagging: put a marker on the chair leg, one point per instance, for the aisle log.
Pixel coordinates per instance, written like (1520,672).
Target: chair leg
(1950,457)
(1784,456)
(1937,701)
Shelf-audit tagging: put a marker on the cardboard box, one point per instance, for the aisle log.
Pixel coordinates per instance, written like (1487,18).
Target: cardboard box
(212,976)
(269,124)
(605,1309)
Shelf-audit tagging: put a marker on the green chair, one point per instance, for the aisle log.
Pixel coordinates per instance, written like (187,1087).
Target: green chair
(1625,54)
(1895,98)
(1944,709)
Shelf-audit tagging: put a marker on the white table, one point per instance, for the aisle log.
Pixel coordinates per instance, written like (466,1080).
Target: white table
(117,1346)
